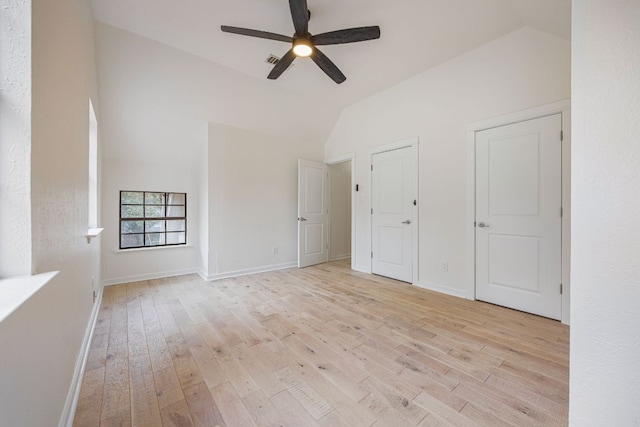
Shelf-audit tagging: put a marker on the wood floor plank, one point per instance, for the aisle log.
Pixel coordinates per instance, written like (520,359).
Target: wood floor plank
(334,419)
(342,403)
(443,411)
(177,415)
(483,395)
(292,410)
(231,406)
(262,366)
(116,400)
(555,409)
(168,389)
(98,352)
(323,345)
(144,402)
(204,411)
(304,393)
(403,405)
(90,400)
(209,368)
(262,410)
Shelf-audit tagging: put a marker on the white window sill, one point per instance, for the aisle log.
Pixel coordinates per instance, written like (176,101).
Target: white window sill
(150,248)
(16,290)
(93,232)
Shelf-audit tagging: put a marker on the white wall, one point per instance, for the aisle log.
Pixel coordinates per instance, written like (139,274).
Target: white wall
(156,100)
(605,266)
(340,210)
(202,171)
(253,199)
(523,69)
(15,138)
(40,342)
(139,264)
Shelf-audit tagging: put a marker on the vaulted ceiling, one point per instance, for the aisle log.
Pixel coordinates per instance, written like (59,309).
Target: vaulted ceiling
(165,68)
(416,35)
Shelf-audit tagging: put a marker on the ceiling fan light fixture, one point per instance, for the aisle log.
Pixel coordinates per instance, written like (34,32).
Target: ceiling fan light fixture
(302,47)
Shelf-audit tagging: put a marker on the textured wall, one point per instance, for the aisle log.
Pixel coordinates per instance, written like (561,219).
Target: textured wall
(605,265)
(523,69)
(40,343)
(15,137)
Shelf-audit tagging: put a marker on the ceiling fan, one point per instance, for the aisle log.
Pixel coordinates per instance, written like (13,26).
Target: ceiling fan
(304,44)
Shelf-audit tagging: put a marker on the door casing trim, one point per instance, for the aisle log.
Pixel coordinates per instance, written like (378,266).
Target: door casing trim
(564,108)
(412,142)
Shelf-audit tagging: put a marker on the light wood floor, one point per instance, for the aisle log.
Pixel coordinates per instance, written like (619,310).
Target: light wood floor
(321,346)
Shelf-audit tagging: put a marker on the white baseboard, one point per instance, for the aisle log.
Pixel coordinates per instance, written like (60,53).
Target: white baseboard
(442,289)
(339,257)
(219,276)
(71,403)
(361,269)
(150,276)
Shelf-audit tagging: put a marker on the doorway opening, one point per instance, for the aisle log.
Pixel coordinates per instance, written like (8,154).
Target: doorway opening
(340,210)
(326,218)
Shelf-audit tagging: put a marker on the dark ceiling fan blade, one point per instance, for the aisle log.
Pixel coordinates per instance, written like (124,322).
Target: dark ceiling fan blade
(256,33)
(327,66)
(349,35)
(282,65)
(300,16)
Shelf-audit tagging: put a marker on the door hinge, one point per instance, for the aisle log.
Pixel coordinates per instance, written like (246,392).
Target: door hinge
(560,288)
(371,167)
(561,212)
(371,254)
(561,135)
(371,211)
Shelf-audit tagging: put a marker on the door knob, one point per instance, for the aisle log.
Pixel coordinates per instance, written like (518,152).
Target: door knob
(302,219)
(483,225)
(407,221)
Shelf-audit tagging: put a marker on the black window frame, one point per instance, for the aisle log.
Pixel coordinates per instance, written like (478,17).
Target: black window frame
(144,218)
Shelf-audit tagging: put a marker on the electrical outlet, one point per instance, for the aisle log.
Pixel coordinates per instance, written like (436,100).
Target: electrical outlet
(274,250)
(94,296)
(445,266)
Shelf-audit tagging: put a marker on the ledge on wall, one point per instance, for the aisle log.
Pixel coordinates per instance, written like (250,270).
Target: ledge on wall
(16,290)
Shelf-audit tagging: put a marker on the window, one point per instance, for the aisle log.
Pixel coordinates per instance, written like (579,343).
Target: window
(150,219)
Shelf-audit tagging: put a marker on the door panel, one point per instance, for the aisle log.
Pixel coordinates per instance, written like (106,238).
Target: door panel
(514,262)
(518,216)
(312,213)
(393,193)
(392,247)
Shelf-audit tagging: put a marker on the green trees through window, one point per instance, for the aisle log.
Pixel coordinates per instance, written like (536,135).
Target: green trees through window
(152,219)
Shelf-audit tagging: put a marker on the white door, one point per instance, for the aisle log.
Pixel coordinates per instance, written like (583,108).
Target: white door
(393,201)
(518,216)
(312,213)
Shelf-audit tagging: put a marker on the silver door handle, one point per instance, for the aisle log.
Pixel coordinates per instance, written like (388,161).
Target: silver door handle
(483,225)
(407,221)
(302,219)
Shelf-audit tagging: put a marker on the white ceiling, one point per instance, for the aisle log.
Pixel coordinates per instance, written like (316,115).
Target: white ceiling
(415,35)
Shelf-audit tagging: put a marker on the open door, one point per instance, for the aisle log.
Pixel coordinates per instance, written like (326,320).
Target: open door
(312,213)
